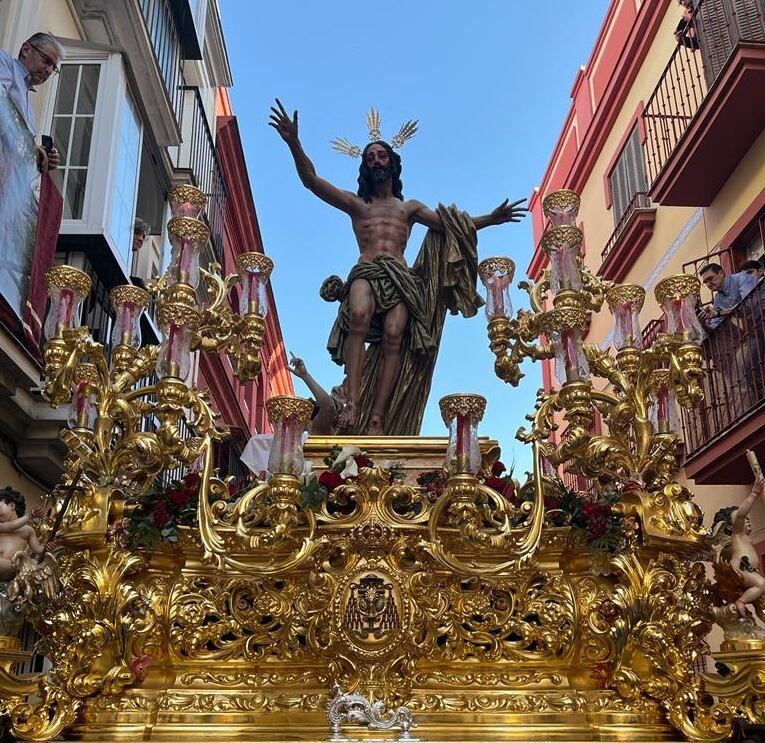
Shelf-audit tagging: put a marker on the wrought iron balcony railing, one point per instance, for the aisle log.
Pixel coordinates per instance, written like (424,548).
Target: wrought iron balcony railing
(163,32)
(639,201)
(719,26)
(734,383)
(201,159)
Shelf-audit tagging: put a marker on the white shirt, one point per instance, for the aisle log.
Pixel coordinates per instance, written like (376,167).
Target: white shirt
(15,83)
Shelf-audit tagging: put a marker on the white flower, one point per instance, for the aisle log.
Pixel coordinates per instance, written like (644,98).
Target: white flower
(346,457)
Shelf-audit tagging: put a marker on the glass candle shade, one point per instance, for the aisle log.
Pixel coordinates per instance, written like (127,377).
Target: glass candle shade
(562,245)
(462,413)
(570,362)
(678,297)
(82,410)
(128,302)
(564,329)
(254,272)
(625,302)
(496,275)
(663,403)
(67,287)
(561,207)
(187,201)
(178,323)
(187,238)
(289,417)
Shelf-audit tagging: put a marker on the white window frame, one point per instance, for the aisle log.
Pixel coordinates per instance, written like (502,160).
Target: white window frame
(102,164)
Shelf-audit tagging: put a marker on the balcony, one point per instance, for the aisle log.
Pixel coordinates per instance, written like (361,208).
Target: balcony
(708,108)
(163,31)
(731,417)
(199,158)
(631,235)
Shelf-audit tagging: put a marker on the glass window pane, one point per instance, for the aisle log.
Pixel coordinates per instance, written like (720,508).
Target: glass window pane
(67,86)
(83,132)
(86,101)
(126,180)
(75,193)
(61,128)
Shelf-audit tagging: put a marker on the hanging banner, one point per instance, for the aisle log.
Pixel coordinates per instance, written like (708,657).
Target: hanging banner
(18,205)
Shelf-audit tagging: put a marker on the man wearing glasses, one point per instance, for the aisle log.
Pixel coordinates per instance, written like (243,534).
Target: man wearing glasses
(38,59)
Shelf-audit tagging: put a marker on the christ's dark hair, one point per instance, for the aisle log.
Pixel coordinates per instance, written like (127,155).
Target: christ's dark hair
(16,499)
(366,184)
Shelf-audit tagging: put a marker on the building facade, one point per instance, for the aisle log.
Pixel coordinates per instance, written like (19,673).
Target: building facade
(133,112)
(664,141)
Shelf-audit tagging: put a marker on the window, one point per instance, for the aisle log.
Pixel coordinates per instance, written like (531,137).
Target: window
(98,130)
(628,176)
(72,131)
(126,180)
(750,245)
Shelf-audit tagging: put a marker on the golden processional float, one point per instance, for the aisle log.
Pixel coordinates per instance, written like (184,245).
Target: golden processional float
(412,586)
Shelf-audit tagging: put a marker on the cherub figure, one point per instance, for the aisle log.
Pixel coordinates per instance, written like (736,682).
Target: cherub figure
(732,529)
(16,535)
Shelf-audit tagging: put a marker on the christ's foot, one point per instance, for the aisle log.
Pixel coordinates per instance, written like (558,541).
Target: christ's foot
(741,608)
(349,415)
(375,426)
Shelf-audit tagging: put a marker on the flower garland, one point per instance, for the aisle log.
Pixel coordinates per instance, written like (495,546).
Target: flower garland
(592,518)
(155,516)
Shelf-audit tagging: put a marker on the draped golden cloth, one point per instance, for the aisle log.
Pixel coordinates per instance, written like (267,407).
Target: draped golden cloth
(443,278)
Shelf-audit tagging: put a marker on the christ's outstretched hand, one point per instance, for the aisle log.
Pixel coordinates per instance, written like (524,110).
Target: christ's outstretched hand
(281,121)
(507,212)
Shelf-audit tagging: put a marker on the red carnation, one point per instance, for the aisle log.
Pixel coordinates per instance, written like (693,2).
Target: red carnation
(330,479)
(495,483)
(509,489)
(179,498)
(497,468)
(191,481)
(160,515)
(233,488)
(362,460)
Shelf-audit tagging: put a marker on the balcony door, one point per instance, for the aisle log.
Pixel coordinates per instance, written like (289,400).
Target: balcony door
(721,25)
(628,178)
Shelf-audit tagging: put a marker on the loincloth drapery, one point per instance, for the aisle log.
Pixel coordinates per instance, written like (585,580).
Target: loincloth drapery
(392,282)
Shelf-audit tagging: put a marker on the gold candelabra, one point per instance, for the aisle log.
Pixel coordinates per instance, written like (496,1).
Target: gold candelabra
(127,402)
(639,388)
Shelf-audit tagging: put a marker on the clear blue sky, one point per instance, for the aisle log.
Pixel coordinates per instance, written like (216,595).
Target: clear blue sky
(489,82)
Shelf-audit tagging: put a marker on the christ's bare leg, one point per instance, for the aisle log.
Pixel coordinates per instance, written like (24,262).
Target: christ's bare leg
(362,306)
(394,325)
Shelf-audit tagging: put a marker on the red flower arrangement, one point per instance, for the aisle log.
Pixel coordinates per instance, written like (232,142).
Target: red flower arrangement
(501,482)
(159,513)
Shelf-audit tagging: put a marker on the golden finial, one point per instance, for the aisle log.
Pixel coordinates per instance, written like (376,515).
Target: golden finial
(407,131)
(373,124)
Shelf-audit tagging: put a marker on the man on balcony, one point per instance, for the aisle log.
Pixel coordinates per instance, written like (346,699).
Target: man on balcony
(728,292)
(737,348)
(38,59)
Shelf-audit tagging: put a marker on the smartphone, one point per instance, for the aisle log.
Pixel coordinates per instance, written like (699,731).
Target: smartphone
(47,142)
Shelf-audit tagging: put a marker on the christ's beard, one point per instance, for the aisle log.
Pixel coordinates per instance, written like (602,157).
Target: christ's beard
(379,175)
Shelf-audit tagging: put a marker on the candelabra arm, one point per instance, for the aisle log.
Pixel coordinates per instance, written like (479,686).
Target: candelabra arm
(264,521)
(143,366)
(218,322)
(537,291)
(487,522)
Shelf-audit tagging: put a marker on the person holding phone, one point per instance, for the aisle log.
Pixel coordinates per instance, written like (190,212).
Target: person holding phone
(39,58)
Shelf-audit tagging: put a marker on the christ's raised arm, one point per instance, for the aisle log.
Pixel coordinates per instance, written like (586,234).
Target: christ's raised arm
(288,131)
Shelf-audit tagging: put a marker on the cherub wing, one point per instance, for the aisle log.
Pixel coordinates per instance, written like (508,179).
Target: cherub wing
(728,585)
